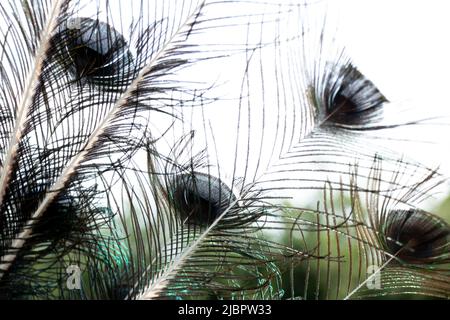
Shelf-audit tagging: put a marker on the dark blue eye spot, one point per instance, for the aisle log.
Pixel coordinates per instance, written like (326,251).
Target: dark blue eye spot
(416,236)
(348,98)
(200,198)
(94,51)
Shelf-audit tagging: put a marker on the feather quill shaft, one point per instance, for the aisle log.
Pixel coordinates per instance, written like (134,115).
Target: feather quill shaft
(82,102)
(7,260)
(27,97)
(155,288)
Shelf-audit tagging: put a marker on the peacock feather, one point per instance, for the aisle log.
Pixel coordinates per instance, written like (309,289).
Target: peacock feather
(134,165)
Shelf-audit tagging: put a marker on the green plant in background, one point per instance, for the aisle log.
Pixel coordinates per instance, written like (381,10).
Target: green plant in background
(442,209)
(202,149)
(333,275)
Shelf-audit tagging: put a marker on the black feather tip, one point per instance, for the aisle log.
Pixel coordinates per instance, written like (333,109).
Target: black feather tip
(417,237)
(94,51)
(348,97)
(200,198)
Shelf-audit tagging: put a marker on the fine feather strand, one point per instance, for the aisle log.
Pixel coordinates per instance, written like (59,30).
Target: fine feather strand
(203,218)
(66,153)
(310,148)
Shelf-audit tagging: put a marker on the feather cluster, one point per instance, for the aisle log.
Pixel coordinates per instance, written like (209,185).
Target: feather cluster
(127,173)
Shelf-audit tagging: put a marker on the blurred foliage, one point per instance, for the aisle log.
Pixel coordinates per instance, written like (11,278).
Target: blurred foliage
(313,279)
(443,209)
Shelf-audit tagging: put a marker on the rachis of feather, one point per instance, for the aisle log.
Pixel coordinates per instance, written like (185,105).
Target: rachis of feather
(200,198)
(80,102)
(94,51)
(417,237)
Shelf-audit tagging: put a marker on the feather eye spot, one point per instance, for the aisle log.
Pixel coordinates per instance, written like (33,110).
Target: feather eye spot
(416,236)
(348,97)
(94,51)
(200,198)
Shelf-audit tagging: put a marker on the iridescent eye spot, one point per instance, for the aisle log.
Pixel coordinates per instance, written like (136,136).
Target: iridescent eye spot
(345,97)
(91,50)
(416,236)
(200,198)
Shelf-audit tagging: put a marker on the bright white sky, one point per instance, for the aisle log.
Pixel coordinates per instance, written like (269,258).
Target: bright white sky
(404,47)
(402,43)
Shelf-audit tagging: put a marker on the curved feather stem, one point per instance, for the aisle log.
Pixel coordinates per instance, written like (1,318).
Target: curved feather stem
(152,291)
(27,97)
(370,277)
(7,260)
